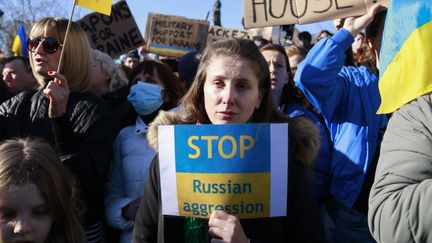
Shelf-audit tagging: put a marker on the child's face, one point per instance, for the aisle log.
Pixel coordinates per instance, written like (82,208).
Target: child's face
(24,215)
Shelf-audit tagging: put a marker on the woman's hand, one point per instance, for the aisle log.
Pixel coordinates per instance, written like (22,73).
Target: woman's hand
(355,24)
(225,227)
(57,91)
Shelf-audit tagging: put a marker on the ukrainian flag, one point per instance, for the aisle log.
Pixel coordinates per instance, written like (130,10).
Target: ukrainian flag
(406,54)
(19,46)
(100,6)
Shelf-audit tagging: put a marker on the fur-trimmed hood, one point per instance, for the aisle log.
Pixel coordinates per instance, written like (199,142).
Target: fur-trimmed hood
(304,135)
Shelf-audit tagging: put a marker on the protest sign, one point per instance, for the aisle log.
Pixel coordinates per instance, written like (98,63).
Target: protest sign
(219,33)
(115,34)
(271,33)
(175,36)
(240,169)
(261,13)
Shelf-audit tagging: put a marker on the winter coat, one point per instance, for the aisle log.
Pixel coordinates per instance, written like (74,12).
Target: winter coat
(127,174)
(348,98)
(319,178)
(400,199)
(303,223)
(82,138)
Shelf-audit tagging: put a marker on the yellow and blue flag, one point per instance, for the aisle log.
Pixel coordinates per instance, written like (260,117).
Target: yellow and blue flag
(100,6)
(406,54)
(19,45)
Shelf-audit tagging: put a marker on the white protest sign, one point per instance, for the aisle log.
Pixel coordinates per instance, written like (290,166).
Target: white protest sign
(240,169)
(262,13)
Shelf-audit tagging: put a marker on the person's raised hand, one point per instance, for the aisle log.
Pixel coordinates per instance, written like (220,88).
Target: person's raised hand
(355,24)
(57,91)
(225,227)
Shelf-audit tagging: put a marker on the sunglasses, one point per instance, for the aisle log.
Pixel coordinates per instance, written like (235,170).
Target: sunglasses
(49,44)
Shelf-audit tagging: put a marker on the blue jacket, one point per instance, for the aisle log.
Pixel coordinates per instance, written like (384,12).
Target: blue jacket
(320,179)
(348,98)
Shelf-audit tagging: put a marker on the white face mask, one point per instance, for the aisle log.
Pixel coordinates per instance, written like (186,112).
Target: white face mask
(145,97)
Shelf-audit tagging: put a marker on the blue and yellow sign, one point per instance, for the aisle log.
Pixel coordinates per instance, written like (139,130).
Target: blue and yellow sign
(234,168)
(174,36)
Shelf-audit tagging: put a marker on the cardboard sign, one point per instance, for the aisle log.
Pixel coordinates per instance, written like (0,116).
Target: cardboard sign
(219,33)
(261,13)
(115,34)
(240,169)
(175,36)
(271,33)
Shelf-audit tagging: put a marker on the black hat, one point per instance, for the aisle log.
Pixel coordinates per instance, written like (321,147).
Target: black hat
(133,54)
(188,66)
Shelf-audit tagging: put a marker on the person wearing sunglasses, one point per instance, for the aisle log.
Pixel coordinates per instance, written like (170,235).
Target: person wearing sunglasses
(75,122)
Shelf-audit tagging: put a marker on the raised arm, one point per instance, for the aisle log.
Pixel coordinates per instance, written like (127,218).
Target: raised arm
(322,76)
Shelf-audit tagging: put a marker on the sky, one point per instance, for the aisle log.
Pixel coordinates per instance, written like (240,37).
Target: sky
(231,12)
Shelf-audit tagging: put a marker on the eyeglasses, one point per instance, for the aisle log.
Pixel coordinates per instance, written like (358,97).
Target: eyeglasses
(49,44)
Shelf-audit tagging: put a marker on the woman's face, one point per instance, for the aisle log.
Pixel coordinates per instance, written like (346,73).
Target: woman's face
(43,61)
(294,61)
(278,69)
(231,91)
(358,42)
(24,215)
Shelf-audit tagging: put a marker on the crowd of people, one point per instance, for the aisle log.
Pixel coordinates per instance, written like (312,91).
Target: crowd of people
(79,142)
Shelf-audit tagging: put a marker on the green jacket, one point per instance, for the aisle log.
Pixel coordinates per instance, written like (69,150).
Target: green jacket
(400,202)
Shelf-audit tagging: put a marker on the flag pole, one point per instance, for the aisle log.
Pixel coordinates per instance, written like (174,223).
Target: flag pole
(66,36)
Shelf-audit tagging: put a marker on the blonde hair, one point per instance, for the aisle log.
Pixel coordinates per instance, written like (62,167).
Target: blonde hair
(111,70)
(33,161)
(293,50)
(76,64)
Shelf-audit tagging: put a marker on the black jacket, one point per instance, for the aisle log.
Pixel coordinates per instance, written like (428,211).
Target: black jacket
(303,223)
(82,138)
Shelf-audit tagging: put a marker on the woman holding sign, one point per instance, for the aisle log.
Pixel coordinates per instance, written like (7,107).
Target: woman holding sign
(73,121)
(233,86)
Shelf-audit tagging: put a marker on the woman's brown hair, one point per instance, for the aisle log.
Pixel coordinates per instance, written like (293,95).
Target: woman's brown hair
(173,89)
(240,49)
(33,161)
(290,91)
